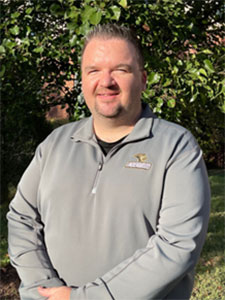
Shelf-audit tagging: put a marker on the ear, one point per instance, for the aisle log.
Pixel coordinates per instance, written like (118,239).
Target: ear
(144,80)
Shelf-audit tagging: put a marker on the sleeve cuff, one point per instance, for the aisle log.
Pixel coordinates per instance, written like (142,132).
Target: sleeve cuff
(92,291)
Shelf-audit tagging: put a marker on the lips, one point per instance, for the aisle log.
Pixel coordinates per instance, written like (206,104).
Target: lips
(107,95)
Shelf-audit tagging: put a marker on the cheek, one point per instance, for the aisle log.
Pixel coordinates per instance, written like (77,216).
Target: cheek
(132,87)
(88,89)
(88,86)
(125,84)
(138,85)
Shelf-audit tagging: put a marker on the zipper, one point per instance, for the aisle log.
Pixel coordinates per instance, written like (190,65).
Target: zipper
(100,166)
(94,189)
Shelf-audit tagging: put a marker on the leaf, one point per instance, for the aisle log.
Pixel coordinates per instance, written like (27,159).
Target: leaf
(15,15)
(208,65)
(39,49)
(83,29)
(168,60)
(194,96)
(190,26)
(175,70)
(26,41)
(9,44)
(88,11)
(157,110)
(56,10)
(2,71)
(171,103)
(167,83)
(71,26)
(73,40)
(14,30)
(159,102)
(2,49)
(207,51)
(222,107)
(71,13)
(222,83)
(153,78)
(29,10)
(203,72)
(193,73)
(123,3)
(116,11)
(202,79)
(95,18)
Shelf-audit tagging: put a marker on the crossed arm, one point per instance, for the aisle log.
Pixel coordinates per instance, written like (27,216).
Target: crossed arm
(152,272)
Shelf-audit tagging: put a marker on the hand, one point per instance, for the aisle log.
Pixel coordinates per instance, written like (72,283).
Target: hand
(55,293)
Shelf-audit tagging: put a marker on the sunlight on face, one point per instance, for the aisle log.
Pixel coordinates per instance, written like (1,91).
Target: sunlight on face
(112,81)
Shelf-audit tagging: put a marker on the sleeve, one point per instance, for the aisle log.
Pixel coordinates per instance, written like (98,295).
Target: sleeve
(27,249)
(164,267)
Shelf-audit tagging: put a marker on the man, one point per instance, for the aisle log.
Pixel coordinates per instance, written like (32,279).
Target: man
(114,206)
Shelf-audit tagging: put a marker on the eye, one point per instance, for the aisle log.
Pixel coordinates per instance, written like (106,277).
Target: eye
(93,71)
(121,70)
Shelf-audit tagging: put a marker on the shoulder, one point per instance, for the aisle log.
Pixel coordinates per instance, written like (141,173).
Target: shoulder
(66,131)
(166,133)
(60,137)
(173,134)
(170,127)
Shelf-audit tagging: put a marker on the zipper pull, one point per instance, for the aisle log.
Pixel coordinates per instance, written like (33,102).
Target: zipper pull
(100,165)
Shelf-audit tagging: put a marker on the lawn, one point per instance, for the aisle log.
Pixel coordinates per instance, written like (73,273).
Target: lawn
(210,271)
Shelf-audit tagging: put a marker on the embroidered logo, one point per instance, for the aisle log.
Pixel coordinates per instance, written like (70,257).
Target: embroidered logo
(141,162)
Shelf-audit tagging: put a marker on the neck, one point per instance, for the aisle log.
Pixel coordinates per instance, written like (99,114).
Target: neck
(111,130)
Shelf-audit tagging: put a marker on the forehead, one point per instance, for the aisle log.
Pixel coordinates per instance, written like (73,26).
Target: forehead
(109,49)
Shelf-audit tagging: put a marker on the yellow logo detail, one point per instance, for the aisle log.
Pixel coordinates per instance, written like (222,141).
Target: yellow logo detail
(141,162)
(141,157)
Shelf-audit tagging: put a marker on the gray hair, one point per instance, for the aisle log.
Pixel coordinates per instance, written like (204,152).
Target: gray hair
(108,31)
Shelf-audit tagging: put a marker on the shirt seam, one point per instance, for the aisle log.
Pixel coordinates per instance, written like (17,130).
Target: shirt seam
(133,260)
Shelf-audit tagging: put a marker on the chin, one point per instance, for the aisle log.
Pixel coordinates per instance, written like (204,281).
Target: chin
(110,114)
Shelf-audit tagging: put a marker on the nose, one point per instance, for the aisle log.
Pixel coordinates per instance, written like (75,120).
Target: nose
(106,79)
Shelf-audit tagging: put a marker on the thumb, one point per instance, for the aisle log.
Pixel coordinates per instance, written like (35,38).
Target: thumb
(46,292)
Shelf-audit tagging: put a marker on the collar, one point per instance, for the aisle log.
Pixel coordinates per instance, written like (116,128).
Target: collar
(85,132)
(143,127)
(141,130)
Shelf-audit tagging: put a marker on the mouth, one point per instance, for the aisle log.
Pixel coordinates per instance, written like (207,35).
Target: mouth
(107,96)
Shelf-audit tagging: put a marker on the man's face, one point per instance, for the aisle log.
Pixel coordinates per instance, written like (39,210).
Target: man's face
(112,81)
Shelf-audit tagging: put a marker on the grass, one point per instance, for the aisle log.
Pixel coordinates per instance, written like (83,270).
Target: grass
(210,271)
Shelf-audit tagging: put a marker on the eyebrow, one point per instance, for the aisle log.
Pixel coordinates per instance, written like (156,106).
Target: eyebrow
(88,68)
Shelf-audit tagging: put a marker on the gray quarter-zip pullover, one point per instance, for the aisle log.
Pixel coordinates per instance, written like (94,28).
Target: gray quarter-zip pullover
(128,225)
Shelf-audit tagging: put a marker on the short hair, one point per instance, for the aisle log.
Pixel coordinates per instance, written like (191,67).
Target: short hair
(109,31)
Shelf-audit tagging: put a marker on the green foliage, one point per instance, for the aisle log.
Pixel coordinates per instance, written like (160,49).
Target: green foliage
(40,48)
(210,273)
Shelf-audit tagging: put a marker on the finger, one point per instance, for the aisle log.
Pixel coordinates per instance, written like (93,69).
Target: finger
(46,292)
